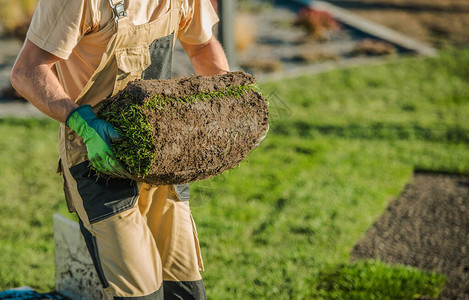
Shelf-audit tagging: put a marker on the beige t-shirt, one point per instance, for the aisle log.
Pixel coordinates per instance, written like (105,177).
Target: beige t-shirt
(77,31)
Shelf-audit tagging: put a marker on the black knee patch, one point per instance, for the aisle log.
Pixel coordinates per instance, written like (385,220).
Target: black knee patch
(184,290)
(103,197)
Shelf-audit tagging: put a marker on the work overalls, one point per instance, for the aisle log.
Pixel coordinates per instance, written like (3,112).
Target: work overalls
(141,237)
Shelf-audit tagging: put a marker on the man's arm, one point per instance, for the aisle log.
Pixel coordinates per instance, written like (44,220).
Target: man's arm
(33,78)
(208,58)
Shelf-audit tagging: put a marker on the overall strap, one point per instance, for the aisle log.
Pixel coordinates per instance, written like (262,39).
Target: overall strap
(118,9)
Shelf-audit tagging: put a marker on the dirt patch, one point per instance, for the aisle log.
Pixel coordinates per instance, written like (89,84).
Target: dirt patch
(198,126)
(438,22)
(426,227)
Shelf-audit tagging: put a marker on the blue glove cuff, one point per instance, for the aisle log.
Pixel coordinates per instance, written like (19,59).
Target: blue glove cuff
(84,111)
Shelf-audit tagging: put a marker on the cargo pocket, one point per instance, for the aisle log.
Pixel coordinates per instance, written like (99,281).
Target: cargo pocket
(197,245)
(103,197)
(181,256)
(131,62)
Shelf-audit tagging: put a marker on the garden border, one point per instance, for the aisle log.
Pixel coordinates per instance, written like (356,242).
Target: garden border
(375,29)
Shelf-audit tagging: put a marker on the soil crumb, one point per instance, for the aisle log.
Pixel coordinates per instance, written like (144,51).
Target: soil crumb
(426,227)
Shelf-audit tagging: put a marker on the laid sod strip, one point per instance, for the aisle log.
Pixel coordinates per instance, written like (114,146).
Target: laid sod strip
(178,131)
(376,280)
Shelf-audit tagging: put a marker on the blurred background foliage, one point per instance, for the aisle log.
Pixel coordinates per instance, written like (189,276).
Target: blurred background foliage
(15,16)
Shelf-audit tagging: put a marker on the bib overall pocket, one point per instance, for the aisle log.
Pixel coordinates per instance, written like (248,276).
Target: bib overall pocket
(131,62)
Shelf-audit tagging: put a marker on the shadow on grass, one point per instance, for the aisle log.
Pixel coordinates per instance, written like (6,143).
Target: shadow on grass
(271,218)
(373,131)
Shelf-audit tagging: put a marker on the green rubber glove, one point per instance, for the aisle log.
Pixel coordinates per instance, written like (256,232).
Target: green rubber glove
(97,135)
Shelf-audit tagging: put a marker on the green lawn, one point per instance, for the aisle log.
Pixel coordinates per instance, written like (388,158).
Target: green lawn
(342,145)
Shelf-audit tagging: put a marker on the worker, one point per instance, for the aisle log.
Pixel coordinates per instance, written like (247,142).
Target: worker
(141,237)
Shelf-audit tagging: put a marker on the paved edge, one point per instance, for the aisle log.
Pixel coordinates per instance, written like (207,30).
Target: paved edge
(19,109)
(375,29)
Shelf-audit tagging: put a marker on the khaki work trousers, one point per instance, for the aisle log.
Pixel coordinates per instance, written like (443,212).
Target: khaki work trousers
(142,238)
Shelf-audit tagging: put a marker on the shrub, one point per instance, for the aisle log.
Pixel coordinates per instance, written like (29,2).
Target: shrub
(317,23)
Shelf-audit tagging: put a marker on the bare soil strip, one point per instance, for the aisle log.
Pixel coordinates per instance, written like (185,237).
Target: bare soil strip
(426,227)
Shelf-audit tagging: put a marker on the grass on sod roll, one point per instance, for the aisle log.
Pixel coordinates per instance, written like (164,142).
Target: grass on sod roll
(281,226)
(136,151)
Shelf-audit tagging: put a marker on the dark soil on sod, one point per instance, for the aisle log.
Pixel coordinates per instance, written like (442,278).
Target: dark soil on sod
(196,127)
(426,227)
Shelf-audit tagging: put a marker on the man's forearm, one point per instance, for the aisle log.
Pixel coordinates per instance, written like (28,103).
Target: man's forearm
(208,58)
(33,78)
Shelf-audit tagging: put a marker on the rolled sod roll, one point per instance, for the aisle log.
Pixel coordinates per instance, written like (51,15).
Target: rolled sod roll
(182,130)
